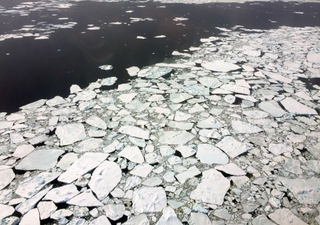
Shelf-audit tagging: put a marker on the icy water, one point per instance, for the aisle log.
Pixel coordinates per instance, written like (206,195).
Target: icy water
(69,53)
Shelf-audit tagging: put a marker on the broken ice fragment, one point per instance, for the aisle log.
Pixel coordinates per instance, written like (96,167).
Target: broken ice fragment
(114,211)
(95,121)
(32,185)
(160,36)
(62,194)
(296,107)
(285,217)
(135,132)
(142,219)
(105,178)
(241,127)
(106,67)
(273,108)
(189,173)
(109,81)
(133,71)
(149,199)
(196,89)
(32,215)
(154,72)
(209,154)
(179,97)
(70,133)
(210,82)
(210,122)
(175,137)
(232,147)
(313,57)
(168,217)
(86,199)
(34,105)
(40,160)
(7,176)
(280,148)
(132,153)
(305,190)
(5,211)
(220,66)
(81,166)
(26,205)
(142,170)
(231,169)
(212,188)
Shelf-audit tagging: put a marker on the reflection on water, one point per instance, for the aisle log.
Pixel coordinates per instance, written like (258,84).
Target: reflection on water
(46,47)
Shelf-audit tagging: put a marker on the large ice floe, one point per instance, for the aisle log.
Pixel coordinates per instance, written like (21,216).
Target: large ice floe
(227,134)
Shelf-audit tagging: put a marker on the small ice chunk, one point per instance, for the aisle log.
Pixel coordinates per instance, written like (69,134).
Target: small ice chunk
(106,67)
(160,36)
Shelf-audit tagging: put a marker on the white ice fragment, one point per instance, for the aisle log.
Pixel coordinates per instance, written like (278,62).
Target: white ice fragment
(95,121)
(179,97)
(212,188)
(154,72)
(32,185)
(40,160)
(168,217)
(142,170)
(31,218)
(232,147)
(109,81)
(272,107)
(209,154)
(175,137)
(132,153)
(81,166)
(313,57)
(241,127)
(180,19)
(189,173)
(114,211)
(86,199)
(296,107)
(134,132)
(285,217)
(62,194)
(220,66)
(41,38)
(133,71)
(160,36)
(149,199)
(70,133)
(210,122)
(186,151)
(126,98)
(7,176)
(305,190)
(280,148)
(105,178)
(142,219)
(231,169)
(106,67)
(46,208)
(94,28)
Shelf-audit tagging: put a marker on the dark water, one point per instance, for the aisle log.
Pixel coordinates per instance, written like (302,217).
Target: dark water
(33,69)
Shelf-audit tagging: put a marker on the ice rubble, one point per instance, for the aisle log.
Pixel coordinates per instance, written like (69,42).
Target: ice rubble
(188,142)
